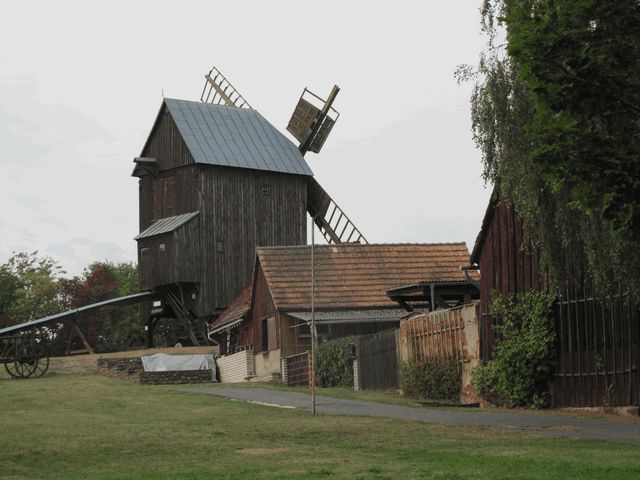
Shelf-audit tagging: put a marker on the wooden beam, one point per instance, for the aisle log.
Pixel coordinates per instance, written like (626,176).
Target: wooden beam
(82,337)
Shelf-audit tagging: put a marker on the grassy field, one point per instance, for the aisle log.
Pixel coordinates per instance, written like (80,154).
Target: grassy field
(82,426)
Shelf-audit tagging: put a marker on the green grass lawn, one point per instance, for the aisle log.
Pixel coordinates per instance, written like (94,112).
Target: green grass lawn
(82,426)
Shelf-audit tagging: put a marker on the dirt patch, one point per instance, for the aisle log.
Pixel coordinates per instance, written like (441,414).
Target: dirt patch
(262,451)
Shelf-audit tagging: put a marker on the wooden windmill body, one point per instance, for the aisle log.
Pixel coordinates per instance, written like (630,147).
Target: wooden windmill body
(217,180)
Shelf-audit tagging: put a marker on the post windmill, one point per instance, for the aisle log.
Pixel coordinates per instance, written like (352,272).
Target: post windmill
(311,123)
(217,180)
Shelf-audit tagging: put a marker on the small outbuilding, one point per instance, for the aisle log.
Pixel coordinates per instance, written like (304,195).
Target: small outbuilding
(271,316)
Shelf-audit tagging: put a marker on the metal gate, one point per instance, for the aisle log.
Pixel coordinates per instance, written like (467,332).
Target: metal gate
(296,370)
(598,343)
(377,361)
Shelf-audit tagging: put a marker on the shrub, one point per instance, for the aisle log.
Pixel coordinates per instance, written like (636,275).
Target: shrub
(523,355)
(334,363)
(432,379)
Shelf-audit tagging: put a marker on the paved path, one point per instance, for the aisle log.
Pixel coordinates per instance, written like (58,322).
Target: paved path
(542,424)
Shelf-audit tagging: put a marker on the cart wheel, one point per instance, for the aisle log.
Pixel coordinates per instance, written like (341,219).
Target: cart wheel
(31,360)
(12,370)
(39,352)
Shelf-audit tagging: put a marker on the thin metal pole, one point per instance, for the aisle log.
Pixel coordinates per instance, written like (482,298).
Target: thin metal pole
(313,324)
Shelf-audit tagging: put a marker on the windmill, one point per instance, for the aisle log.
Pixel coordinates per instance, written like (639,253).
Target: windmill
(311,123)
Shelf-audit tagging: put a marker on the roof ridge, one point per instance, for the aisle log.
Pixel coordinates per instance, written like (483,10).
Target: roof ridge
(360,245)
(214,105)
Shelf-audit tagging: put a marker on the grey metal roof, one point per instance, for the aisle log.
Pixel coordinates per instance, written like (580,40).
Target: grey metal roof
(166,225)
(235,137)
(353,316)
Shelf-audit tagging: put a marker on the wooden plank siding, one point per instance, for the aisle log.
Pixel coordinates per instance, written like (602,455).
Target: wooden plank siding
(508,264)
(176,263)
(240,209)
(263,308)
(166,145)
(238,217)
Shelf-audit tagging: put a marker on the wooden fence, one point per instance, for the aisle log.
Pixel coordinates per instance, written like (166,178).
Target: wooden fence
(438,335)
(377,361)
(598,346)
(451,334)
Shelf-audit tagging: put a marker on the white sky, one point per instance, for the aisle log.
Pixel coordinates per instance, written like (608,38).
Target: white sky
(81,84)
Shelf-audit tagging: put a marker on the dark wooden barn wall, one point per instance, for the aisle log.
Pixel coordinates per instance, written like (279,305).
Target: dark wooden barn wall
(171,192)
(238,217)
(508,264)
(262,307)
(177,263)
(598,338)
(166,144)
(240,209)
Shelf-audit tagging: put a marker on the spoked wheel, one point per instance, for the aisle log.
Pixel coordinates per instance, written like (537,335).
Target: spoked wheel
(31,359)
(14,369)
(37,359)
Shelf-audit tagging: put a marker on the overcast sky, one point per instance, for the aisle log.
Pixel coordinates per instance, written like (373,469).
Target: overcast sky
(81,84)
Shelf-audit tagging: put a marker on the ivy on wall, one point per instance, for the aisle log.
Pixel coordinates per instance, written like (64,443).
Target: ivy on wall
(520,372)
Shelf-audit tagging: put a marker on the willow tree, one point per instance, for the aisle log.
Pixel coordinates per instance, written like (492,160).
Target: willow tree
(555,112)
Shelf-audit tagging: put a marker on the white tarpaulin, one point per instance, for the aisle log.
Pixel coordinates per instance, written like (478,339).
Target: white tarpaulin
(161,362)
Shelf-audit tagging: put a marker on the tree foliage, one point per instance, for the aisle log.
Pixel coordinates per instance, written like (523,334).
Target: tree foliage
(114,329)
(29,288)
(32,287)
(580,60)
(555,112)
(334,363)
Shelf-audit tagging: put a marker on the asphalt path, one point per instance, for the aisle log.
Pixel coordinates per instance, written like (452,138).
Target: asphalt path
(547,424)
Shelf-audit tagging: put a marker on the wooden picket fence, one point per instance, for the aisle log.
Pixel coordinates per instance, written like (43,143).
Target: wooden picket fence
(436,335)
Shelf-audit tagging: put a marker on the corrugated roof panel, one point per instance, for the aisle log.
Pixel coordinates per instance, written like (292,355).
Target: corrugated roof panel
(238,137)
(166,225)
(353,316)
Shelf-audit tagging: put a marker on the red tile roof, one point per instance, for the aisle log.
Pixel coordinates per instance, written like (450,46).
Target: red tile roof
(354,275)
(236,311)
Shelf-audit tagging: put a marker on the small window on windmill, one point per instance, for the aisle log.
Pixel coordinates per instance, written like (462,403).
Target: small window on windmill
(162,247)
(265,189)
(220,246)
(144,253)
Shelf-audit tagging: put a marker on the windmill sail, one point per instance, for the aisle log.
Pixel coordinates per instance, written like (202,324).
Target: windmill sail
(311,123)
(218,90)
(334,224)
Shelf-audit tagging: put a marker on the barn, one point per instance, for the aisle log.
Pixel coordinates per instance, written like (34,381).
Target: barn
(215,182)
(597,337)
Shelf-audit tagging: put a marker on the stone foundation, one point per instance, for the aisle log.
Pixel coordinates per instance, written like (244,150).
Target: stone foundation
(131,369)
(175,377)
(128,368)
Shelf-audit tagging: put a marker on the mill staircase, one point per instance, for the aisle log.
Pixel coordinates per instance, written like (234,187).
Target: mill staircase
(190,324)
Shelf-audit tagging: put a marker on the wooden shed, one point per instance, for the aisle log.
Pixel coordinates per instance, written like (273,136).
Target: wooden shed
(215,182)
(598,338)
(271,316)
